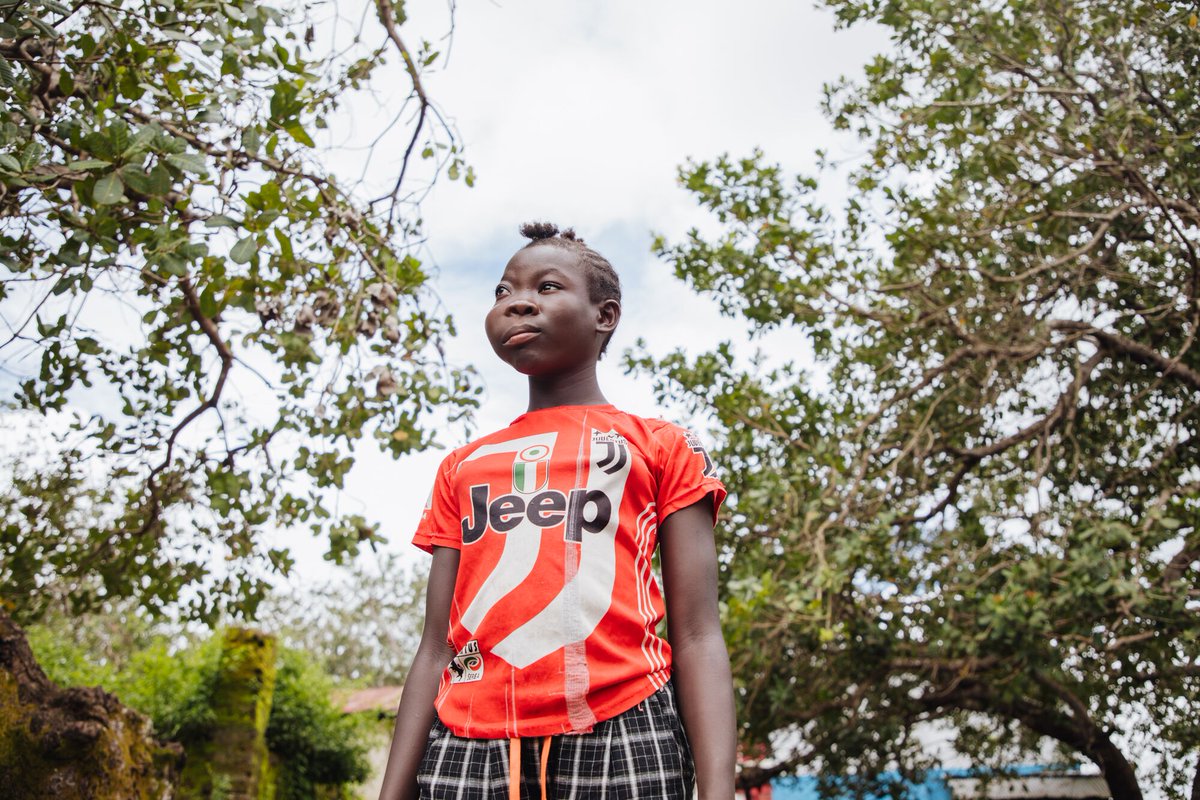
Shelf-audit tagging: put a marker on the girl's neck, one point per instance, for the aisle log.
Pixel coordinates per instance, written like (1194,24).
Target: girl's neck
(577,388)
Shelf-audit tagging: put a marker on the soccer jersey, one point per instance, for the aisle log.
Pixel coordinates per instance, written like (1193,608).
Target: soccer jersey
(555,606)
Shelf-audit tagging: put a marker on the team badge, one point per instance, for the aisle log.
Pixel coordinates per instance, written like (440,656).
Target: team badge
(467,666)
(694,443)
(531,469)
(615,448)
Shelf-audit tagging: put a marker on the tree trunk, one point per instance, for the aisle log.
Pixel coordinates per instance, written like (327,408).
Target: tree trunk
(1083,735)
(73,744)
(233,759)
(1076,730)
(1118,772)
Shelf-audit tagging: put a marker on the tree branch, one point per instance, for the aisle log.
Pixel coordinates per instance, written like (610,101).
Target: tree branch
(210,330)
(387,15)
(1135,351)
(1063,409)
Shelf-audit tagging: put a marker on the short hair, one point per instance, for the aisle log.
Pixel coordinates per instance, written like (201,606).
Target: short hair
(602,280)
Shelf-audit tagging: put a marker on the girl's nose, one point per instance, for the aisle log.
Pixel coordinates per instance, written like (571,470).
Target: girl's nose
(520,306)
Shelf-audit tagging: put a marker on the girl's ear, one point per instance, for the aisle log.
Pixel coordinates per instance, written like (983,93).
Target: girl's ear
(608,315)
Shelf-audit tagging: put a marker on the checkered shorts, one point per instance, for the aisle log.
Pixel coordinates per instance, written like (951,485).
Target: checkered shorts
(641,754)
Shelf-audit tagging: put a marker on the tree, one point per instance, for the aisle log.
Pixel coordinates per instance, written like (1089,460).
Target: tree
(981,504)
(176,682)
(233,317)
(361,628)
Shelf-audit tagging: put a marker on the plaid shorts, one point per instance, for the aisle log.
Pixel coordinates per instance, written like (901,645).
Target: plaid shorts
(640,754)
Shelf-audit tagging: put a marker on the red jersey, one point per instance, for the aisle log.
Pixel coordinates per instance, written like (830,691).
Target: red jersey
(555,607)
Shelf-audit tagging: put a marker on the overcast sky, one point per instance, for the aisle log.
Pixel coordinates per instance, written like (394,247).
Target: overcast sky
(581,113)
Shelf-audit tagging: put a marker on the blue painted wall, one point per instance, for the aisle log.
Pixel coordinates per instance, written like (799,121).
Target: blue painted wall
(934,786)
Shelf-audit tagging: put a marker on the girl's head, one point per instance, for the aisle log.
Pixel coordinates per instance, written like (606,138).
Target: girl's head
(557,303)
(603,282)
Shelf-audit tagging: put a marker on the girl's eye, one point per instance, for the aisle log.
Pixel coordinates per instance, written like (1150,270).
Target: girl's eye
(546,286)
(500,290)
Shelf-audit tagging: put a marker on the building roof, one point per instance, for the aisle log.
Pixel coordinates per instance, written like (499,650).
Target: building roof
(374,698)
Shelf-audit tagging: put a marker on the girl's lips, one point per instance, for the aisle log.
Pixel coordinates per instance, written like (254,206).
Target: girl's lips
(521,337)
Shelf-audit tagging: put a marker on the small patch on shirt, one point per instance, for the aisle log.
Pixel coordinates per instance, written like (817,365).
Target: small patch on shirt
(467,666)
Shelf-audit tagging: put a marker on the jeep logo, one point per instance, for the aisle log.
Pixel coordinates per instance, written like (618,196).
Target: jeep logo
(582,510)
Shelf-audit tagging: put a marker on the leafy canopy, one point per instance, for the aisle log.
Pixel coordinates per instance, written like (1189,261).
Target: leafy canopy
(980,505)
(218,318)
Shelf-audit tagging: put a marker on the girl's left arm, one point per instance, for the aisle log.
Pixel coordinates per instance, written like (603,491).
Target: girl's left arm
(700,662)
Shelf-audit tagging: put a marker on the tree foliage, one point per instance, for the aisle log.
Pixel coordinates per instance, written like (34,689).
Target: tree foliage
(219,318)
(172,682)
(980,504)
(360,628)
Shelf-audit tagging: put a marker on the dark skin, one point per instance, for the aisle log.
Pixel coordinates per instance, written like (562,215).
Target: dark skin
(546,326)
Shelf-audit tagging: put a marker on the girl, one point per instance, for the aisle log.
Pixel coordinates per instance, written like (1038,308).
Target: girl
(539,672)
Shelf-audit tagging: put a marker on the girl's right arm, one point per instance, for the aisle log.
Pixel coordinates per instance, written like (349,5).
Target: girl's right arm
(415,715)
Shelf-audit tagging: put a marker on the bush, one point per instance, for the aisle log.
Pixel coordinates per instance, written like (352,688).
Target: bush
(172,683)
(315,741)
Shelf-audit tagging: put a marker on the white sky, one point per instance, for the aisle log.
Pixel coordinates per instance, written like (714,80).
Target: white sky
(581,114)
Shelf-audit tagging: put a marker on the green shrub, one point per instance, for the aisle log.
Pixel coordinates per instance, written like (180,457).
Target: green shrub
(315,743)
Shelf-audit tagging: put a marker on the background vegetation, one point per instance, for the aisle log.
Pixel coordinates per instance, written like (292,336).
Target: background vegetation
(220,317)
(982,506)
(172,682)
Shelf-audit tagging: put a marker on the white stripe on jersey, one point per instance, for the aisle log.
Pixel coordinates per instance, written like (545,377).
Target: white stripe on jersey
(521,544)
(591,587)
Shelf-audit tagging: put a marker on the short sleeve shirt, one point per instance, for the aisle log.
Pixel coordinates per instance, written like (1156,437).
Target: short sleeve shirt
(556,606)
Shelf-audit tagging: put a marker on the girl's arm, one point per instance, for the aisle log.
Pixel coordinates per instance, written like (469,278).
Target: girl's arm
(415,715)
(700,662)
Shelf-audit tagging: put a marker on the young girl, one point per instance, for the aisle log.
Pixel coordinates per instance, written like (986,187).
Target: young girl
(539,672)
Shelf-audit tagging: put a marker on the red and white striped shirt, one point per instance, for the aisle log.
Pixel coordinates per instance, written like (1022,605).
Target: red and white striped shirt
(556,607)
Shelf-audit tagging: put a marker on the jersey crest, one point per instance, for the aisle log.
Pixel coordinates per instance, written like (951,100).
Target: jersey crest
(531,469)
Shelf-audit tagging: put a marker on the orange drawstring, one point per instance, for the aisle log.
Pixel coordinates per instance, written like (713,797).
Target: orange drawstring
(514,768)
(545,764)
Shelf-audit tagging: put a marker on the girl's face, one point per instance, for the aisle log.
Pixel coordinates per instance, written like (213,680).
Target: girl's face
(544,322)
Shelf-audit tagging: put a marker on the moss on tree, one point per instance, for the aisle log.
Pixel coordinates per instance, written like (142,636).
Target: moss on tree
(73,744)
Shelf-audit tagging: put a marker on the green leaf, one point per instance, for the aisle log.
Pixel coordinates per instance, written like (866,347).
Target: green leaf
(118,136)
(88,163)
(243,251)
(6,72)
(9,163)
(285,245)
(45,28)
(155,183)
(108,190)
(189,162)
(31,155)
(300,135)
(141,140)
(221,221)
